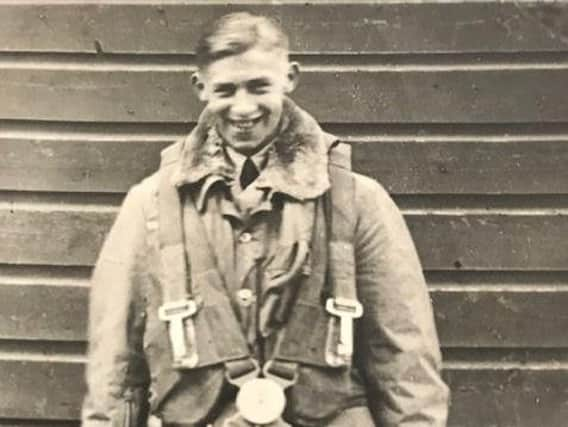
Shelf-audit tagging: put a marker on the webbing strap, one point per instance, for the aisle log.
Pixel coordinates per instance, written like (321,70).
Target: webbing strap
(180,302)
(201,255)
(182,292)
(342,303)
(333,275)
(341,221)
(171,234)
(219,338)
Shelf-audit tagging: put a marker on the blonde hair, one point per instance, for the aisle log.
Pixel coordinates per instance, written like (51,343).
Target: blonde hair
(238,32)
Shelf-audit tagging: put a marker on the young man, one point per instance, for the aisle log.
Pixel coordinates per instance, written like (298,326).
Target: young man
(254,279)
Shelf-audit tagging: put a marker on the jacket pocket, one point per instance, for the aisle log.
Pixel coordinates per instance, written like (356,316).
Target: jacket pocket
(323,393)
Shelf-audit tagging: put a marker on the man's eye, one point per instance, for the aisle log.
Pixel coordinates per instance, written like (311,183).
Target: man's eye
(224,91)
(259,87)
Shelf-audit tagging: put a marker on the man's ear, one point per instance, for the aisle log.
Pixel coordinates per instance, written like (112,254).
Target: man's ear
(293,76)
(198,86)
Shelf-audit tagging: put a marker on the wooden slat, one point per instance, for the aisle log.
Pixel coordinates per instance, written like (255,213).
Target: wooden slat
(514,397)
(405,167)
(40,389)
(444,241)
(465,318)
(476,167)
(490,242)
(155,27)
(41,312)
(351,95)
(491,396)
(78,164)
(501,319)
(74,237)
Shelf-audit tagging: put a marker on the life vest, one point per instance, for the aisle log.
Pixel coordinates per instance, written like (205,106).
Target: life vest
(199,343)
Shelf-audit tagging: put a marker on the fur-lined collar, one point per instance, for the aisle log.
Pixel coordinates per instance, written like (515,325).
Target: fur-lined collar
(297,162)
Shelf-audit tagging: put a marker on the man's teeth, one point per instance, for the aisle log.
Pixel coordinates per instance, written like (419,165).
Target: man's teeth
(245,124)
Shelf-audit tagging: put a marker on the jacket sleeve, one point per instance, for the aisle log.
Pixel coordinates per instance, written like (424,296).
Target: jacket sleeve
(117,374)
(397,343)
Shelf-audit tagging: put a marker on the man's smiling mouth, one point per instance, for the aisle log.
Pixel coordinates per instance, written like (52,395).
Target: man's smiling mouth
(245,124)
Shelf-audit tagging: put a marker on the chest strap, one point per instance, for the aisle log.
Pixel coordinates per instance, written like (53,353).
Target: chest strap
(342,303)
(180,301)
(183,282)
(312,325)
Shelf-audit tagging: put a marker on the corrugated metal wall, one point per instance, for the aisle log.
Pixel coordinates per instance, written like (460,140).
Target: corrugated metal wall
(459,108)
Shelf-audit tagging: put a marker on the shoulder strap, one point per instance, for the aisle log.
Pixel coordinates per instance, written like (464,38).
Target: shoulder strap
(328,342)
(181,285)
(342,303)
(340,223)
(171,233)
(179,304)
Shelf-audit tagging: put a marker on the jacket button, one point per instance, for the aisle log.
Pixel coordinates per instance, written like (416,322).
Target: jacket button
(245,238)
(245,297)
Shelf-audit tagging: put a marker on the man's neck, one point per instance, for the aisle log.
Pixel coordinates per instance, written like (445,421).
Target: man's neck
(259,157)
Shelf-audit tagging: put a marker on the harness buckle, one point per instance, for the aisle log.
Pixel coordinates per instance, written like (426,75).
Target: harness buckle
(345,309)
(181,330)
(261,400)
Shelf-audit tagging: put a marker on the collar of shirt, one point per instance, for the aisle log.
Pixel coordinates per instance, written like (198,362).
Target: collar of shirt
(259,158)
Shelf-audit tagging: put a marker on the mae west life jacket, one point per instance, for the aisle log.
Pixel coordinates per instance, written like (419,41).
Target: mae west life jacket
(199,344)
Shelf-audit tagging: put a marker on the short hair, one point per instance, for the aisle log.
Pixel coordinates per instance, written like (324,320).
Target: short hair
(236,33)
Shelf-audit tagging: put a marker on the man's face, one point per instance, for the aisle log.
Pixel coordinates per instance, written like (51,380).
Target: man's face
(246,92)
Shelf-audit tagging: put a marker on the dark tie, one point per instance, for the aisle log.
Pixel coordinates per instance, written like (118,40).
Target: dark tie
(248,173)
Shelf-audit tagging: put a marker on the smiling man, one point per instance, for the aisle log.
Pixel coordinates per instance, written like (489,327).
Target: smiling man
(256,280)
(245,92)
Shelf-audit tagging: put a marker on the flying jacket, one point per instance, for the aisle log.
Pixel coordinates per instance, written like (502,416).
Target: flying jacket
(397,358)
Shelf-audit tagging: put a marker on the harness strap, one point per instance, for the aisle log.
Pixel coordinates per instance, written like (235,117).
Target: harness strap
(180,302)
(332,277)
(340,223)
(342,302)
(171,234)
(183,286)
(184,309)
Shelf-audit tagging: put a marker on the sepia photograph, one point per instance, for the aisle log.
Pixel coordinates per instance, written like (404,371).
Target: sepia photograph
(283,213)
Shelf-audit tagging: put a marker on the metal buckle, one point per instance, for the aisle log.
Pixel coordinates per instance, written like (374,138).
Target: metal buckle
(283,382)
(177,309)
(346,309)
(261,401)
(247,376)
(181,331)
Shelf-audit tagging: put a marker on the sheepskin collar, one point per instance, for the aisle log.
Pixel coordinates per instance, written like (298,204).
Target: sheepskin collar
(297,160)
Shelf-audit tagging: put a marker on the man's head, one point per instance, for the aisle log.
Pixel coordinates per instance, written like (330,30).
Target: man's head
(244,74)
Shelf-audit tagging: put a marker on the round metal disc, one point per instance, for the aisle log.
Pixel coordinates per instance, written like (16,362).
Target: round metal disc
(261,401)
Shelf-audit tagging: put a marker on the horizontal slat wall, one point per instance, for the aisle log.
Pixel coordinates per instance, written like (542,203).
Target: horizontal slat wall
(503,391)
(458,108)
(367,95)
(490,317)
(439,164)
(445,240)
(352,27)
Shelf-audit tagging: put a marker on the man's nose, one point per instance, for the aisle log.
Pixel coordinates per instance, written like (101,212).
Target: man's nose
(244,105)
